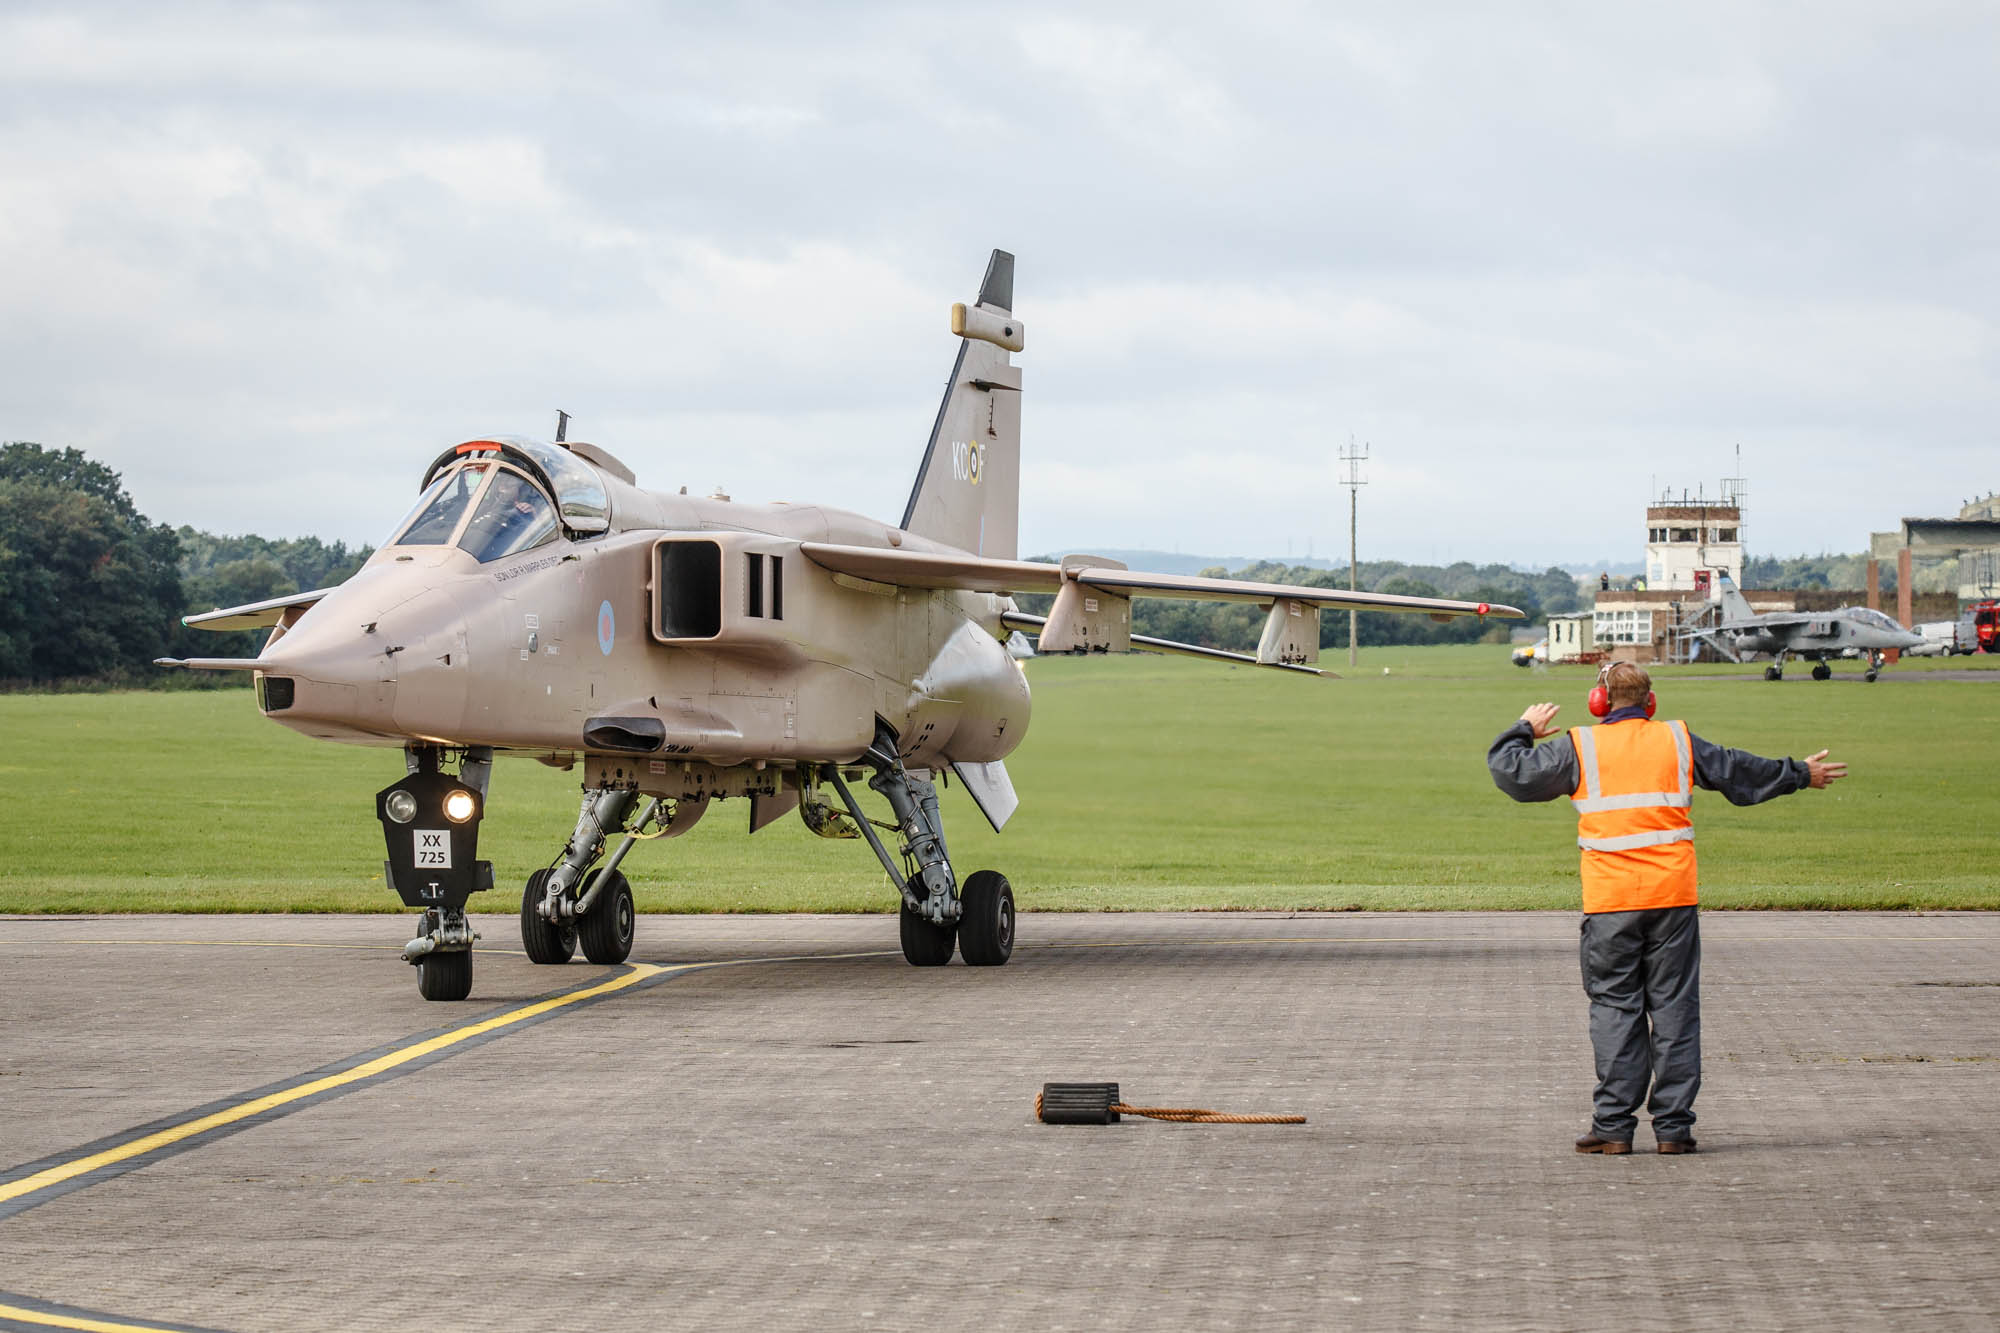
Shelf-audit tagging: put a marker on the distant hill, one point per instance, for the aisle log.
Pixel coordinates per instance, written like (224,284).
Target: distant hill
(1174,562)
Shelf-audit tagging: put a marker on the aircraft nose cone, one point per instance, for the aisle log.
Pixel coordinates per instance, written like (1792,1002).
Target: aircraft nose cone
(337,681)
(375,656)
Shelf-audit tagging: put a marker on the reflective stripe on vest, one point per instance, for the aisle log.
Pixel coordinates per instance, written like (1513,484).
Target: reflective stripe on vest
(1657,838)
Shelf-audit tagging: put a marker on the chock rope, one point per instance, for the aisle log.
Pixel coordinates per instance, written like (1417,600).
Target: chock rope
(1098,1104)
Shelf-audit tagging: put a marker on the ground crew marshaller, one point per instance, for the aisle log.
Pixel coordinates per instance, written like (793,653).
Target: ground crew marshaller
(1632,780)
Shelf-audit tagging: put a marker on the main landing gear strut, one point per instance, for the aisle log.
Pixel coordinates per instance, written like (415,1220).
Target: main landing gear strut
(936,911)
(570,904)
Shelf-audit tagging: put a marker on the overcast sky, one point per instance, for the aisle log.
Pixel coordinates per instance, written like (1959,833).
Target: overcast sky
(268,261)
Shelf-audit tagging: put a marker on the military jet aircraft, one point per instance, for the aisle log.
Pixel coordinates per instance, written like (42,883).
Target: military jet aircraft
(681,651)
(1813,635)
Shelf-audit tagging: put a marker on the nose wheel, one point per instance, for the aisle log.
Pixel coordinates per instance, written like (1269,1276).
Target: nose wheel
(445,976)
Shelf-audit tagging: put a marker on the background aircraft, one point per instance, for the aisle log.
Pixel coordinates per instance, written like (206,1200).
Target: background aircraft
(680,651)
(1814,635)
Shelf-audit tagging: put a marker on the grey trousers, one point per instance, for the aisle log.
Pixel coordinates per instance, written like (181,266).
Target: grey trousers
(1640,966)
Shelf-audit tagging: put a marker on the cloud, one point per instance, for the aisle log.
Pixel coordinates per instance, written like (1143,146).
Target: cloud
(267,260)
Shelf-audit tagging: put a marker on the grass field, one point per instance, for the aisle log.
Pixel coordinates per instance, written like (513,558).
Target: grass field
(1145,783)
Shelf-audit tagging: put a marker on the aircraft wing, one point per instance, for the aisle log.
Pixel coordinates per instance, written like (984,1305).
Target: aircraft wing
(971,573)
(927,569)
(253,615)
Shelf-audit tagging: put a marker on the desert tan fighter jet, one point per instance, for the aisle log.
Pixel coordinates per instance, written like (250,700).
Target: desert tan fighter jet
(682,651)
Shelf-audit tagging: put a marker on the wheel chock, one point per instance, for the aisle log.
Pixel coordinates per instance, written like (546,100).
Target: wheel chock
(1077,1104)
(1099,1104)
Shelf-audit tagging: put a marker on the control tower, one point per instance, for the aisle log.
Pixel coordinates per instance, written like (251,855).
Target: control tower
(1691,538)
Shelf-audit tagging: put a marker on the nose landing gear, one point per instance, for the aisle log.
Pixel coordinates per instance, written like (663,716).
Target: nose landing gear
(430,828)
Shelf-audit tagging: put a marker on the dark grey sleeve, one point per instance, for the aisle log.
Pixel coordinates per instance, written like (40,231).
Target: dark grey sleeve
(1528,772)
(1745,778)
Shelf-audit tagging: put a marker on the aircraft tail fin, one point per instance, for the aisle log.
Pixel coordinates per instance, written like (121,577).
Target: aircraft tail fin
(1735,606)
(968,489)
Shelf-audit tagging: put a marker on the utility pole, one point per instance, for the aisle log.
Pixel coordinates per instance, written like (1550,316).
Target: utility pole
(1353,459)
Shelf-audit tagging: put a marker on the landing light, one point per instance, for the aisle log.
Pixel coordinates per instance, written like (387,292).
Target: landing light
(458,806)
(401,806)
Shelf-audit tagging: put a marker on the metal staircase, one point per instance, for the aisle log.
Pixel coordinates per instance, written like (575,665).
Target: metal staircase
(1697,636)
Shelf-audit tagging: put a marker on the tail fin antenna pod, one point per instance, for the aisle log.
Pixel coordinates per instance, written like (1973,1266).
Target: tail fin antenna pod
(968,489)
(1086,619)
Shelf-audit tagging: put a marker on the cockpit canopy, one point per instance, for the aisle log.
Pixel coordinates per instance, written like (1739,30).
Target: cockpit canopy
(1870,616)
(493,498)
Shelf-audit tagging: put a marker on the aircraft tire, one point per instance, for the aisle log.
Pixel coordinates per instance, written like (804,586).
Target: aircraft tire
(986,929)
(925,944)
(1869,676)
(606,934)
(1821,671)
(544,941)
(445,976)
(1774,673)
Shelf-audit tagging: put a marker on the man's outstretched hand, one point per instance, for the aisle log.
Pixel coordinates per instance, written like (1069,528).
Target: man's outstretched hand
(1541,715)
(1823,773)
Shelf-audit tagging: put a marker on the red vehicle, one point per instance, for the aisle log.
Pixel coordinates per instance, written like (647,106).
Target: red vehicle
(1979,624)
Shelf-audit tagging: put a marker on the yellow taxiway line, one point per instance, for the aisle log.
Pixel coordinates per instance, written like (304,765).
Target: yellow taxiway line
(48,1319)
(187,1129)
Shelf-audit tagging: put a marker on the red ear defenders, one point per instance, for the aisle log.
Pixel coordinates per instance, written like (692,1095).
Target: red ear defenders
(1599,699)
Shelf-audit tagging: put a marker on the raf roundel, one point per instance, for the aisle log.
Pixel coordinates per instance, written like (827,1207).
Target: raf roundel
(607,628)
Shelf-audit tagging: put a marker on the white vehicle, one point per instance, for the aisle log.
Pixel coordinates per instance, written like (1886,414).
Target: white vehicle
(1940,640)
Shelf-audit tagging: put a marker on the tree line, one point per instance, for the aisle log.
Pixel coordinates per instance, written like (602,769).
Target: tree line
(91,590)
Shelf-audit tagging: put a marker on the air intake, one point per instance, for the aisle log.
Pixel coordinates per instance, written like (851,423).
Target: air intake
(626,735)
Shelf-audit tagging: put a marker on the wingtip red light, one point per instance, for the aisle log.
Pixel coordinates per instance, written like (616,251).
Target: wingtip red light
(1484,608)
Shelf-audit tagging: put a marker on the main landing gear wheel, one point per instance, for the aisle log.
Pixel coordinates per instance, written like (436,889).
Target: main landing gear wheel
(606,932)
(1821,671)
(925,943)
(545,941)
(1774,673)
(986,929)
(1870,674)
(445,976)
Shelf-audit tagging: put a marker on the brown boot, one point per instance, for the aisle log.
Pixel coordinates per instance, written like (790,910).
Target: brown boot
(1674,1147)
(1609,1147)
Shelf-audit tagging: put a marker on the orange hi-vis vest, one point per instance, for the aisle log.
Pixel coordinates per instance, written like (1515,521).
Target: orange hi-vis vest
(1633,799)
